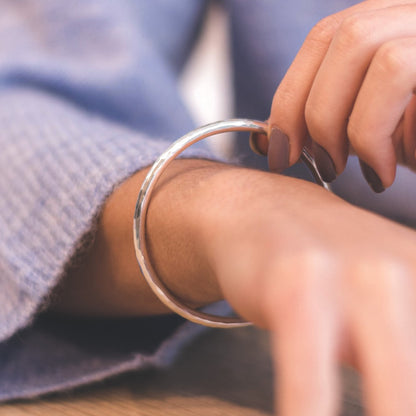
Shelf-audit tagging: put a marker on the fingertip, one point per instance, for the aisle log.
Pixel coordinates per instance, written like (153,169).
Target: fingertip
(279,150)
(286,118)
(372,177)
(324,163)
(259,143)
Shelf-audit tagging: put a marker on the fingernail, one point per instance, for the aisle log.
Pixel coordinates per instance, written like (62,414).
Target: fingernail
(371,177)
(324,163)
(254,142)
(278,152)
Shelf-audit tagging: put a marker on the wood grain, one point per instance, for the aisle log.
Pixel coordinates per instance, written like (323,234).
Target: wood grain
(221,373)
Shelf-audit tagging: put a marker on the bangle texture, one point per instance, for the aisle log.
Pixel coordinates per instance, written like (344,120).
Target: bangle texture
(139,226)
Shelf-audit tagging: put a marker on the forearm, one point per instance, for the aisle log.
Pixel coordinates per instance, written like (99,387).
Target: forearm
(108,281)
(194,200)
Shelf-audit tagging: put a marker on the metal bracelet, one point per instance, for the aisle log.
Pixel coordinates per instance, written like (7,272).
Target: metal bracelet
(158,287)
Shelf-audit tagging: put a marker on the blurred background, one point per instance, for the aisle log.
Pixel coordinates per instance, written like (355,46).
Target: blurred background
(206,83)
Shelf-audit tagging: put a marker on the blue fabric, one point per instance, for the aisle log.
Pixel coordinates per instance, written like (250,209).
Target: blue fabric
(88,95)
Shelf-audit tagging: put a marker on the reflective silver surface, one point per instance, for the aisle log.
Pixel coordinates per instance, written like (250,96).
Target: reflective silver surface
(141,211)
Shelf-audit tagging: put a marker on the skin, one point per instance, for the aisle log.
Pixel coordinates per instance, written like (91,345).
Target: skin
(333,286)
(351,88)
(333,283)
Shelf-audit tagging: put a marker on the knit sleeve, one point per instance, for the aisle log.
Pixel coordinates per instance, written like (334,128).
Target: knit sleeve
(87,92)
(88,96)
(58,167)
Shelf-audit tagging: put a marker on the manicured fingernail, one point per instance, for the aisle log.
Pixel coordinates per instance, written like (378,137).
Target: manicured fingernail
(324,163)
(254,141)
(371,177)
(278,152)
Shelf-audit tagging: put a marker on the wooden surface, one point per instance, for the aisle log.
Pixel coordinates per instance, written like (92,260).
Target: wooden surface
(224,372)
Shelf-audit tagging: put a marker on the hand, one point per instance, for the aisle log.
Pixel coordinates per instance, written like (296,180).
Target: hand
(332,282)
(351,86)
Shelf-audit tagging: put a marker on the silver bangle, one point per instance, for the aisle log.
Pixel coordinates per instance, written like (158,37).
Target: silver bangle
(160,290)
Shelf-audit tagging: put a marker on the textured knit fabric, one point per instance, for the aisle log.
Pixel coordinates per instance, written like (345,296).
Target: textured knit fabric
(88,96)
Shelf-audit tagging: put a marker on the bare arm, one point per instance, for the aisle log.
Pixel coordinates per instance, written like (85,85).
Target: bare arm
(109,282)
(332,282)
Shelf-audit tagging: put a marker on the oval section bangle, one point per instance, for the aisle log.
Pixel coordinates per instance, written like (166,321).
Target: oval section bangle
(139,228)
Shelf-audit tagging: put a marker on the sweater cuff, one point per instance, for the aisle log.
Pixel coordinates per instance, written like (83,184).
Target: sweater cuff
(59,164)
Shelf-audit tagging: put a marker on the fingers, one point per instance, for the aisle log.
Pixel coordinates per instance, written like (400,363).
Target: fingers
(381,326)
(342,76)
(376,115)
(307,379)
(383,331)
(304,348)
(289,101)
(319,92)
(287,112)
(315,318)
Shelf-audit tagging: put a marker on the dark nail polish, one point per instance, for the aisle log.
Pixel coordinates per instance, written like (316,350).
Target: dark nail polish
(324,163)
(254,143)
(278,152)
(371,177)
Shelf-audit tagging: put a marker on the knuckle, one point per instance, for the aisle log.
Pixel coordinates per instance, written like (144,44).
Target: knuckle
(376,275)
(391,58)
(323,31)
(282,102)
(295,283)
(353,30)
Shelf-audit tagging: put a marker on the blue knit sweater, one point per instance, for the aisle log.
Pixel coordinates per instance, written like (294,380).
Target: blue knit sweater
(88,95)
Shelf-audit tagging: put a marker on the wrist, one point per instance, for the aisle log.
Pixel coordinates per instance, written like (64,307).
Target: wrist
(176,227)
(108,281)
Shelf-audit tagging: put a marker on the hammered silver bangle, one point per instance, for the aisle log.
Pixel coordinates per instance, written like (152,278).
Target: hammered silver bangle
(139,228)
